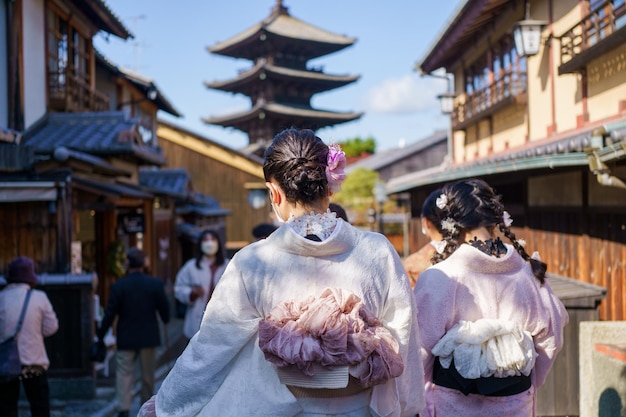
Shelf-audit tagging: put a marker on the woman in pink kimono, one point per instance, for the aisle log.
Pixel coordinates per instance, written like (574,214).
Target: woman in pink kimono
(490,324)
(318,319)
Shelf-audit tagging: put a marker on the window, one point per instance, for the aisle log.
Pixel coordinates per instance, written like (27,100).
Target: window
(70,62)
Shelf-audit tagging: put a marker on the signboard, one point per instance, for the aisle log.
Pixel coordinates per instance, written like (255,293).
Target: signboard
(132,222)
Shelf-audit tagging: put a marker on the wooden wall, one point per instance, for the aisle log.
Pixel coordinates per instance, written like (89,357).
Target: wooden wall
(223,182)
(29,229)
(587,259)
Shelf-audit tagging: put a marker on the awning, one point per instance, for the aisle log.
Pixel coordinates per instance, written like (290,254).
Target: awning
(14,192)
(110,189)
(443,173)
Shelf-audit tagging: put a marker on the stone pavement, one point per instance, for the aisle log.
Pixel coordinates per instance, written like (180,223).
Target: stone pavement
(104,404)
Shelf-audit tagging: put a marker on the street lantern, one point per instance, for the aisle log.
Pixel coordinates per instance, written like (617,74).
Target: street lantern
(446,100)
(527,34)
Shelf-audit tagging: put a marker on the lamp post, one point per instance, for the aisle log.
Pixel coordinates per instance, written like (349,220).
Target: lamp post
(380,193)
(446,100)
(527,34)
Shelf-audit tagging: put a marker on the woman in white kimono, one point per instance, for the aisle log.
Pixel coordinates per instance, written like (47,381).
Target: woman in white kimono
(198,277)
(318,319)
(490,325)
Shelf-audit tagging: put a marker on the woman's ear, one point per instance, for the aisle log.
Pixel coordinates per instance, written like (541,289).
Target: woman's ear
(275,195)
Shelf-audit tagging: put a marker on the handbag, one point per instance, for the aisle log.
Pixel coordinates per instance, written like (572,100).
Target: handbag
(10,365)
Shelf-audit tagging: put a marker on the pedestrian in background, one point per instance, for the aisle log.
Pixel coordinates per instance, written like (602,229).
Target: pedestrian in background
(39,321)
(418,261)
(263,230)
(491,326)
(198,277)
(317,319)
(337,209)
(135,300)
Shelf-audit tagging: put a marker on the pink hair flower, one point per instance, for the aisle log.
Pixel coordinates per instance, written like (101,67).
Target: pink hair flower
(335,169)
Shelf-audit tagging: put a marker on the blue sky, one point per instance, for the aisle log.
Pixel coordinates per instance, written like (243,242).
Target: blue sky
(171,40)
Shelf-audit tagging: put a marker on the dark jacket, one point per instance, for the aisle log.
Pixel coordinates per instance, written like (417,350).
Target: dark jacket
(135,299)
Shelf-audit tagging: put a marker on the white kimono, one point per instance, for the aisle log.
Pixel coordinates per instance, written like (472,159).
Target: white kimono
(188,277)
(224,372)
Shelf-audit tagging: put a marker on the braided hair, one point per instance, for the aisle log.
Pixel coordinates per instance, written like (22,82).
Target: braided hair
(470,204)
(297,160)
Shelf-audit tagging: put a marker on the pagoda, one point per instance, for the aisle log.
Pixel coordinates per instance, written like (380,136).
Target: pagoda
(279,83)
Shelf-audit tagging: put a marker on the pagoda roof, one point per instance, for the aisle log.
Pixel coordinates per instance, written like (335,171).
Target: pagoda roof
(303,117)
(317,81)
(285,34)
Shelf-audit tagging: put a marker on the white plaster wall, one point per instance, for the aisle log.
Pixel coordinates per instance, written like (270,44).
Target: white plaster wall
(595,376)
(4,93)
(34,61)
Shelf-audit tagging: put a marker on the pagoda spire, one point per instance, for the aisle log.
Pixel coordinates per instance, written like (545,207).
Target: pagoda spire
(280,9)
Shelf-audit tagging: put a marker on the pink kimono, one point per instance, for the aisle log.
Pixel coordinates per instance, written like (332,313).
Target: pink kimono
(472,288)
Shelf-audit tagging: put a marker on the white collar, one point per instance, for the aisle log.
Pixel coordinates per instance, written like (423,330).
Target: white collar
(322,225)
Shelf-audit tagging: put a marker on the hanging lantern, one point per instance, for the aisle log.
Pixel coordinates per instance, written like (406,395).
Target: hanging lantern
(527,34)
(446,101)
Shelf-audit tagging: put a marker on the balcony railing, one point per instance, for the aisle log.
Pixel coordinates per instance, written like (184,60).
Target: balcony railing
(510,88)
(590,37)
(69,93)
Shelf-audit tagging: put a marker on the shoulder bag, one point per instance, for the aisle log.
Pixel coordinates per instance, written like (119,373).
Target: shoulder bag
(10,365)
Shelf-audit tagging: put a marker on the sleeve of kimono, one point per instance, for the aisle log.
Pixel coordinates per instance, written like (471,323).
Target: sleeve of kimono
(219,363)
(434,302)
(400,317)
(549,340)
(183,283)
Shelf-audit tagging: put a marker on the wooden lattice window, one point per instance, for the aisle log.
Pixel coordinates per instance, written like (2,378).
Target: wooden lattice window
(70,64)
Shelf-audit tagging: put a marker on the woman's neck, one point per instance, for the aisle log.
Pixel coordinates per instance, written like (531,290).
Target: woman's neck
(298,210)
(480,233)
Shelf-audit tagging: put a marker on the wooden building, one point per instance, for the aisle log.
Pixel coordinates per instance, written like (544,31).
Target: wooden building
(75,130)
(548,130)
(279,83)
(233,178)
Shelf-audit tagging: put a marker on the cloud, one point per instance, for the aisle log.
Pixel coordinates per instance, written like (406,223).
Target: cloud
(406,94)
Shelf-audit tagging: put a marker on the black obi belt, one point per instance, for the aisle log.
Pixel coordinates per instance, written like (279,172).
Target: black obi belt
(488,386)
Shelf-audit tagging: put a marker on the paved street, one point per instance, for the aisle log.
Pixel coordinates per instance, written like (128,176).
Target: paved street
(104,404)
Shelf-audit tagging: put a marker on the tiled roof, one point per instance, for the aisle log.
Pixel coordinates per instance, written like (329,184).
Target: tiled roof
(140,82)
(321,118)
(383,159)
(574,293)
(15,157)
(306,39)
(101,15)
(100,133)
(319,80)
(174,182)
(568,151)
(203,205)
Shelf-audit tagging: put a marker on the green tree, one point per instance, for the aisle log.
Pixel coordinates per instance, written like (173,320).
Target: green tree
(358,146)
(357,194)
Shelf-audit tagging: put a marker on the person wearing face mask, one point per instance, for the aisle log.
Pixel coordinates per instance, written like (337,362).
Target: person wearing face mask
(198,277)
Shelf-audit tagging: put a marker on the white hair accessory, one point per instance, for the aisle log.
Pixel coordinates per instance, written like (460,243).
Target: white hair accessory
(442,201)
(506,218)
(448,224)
